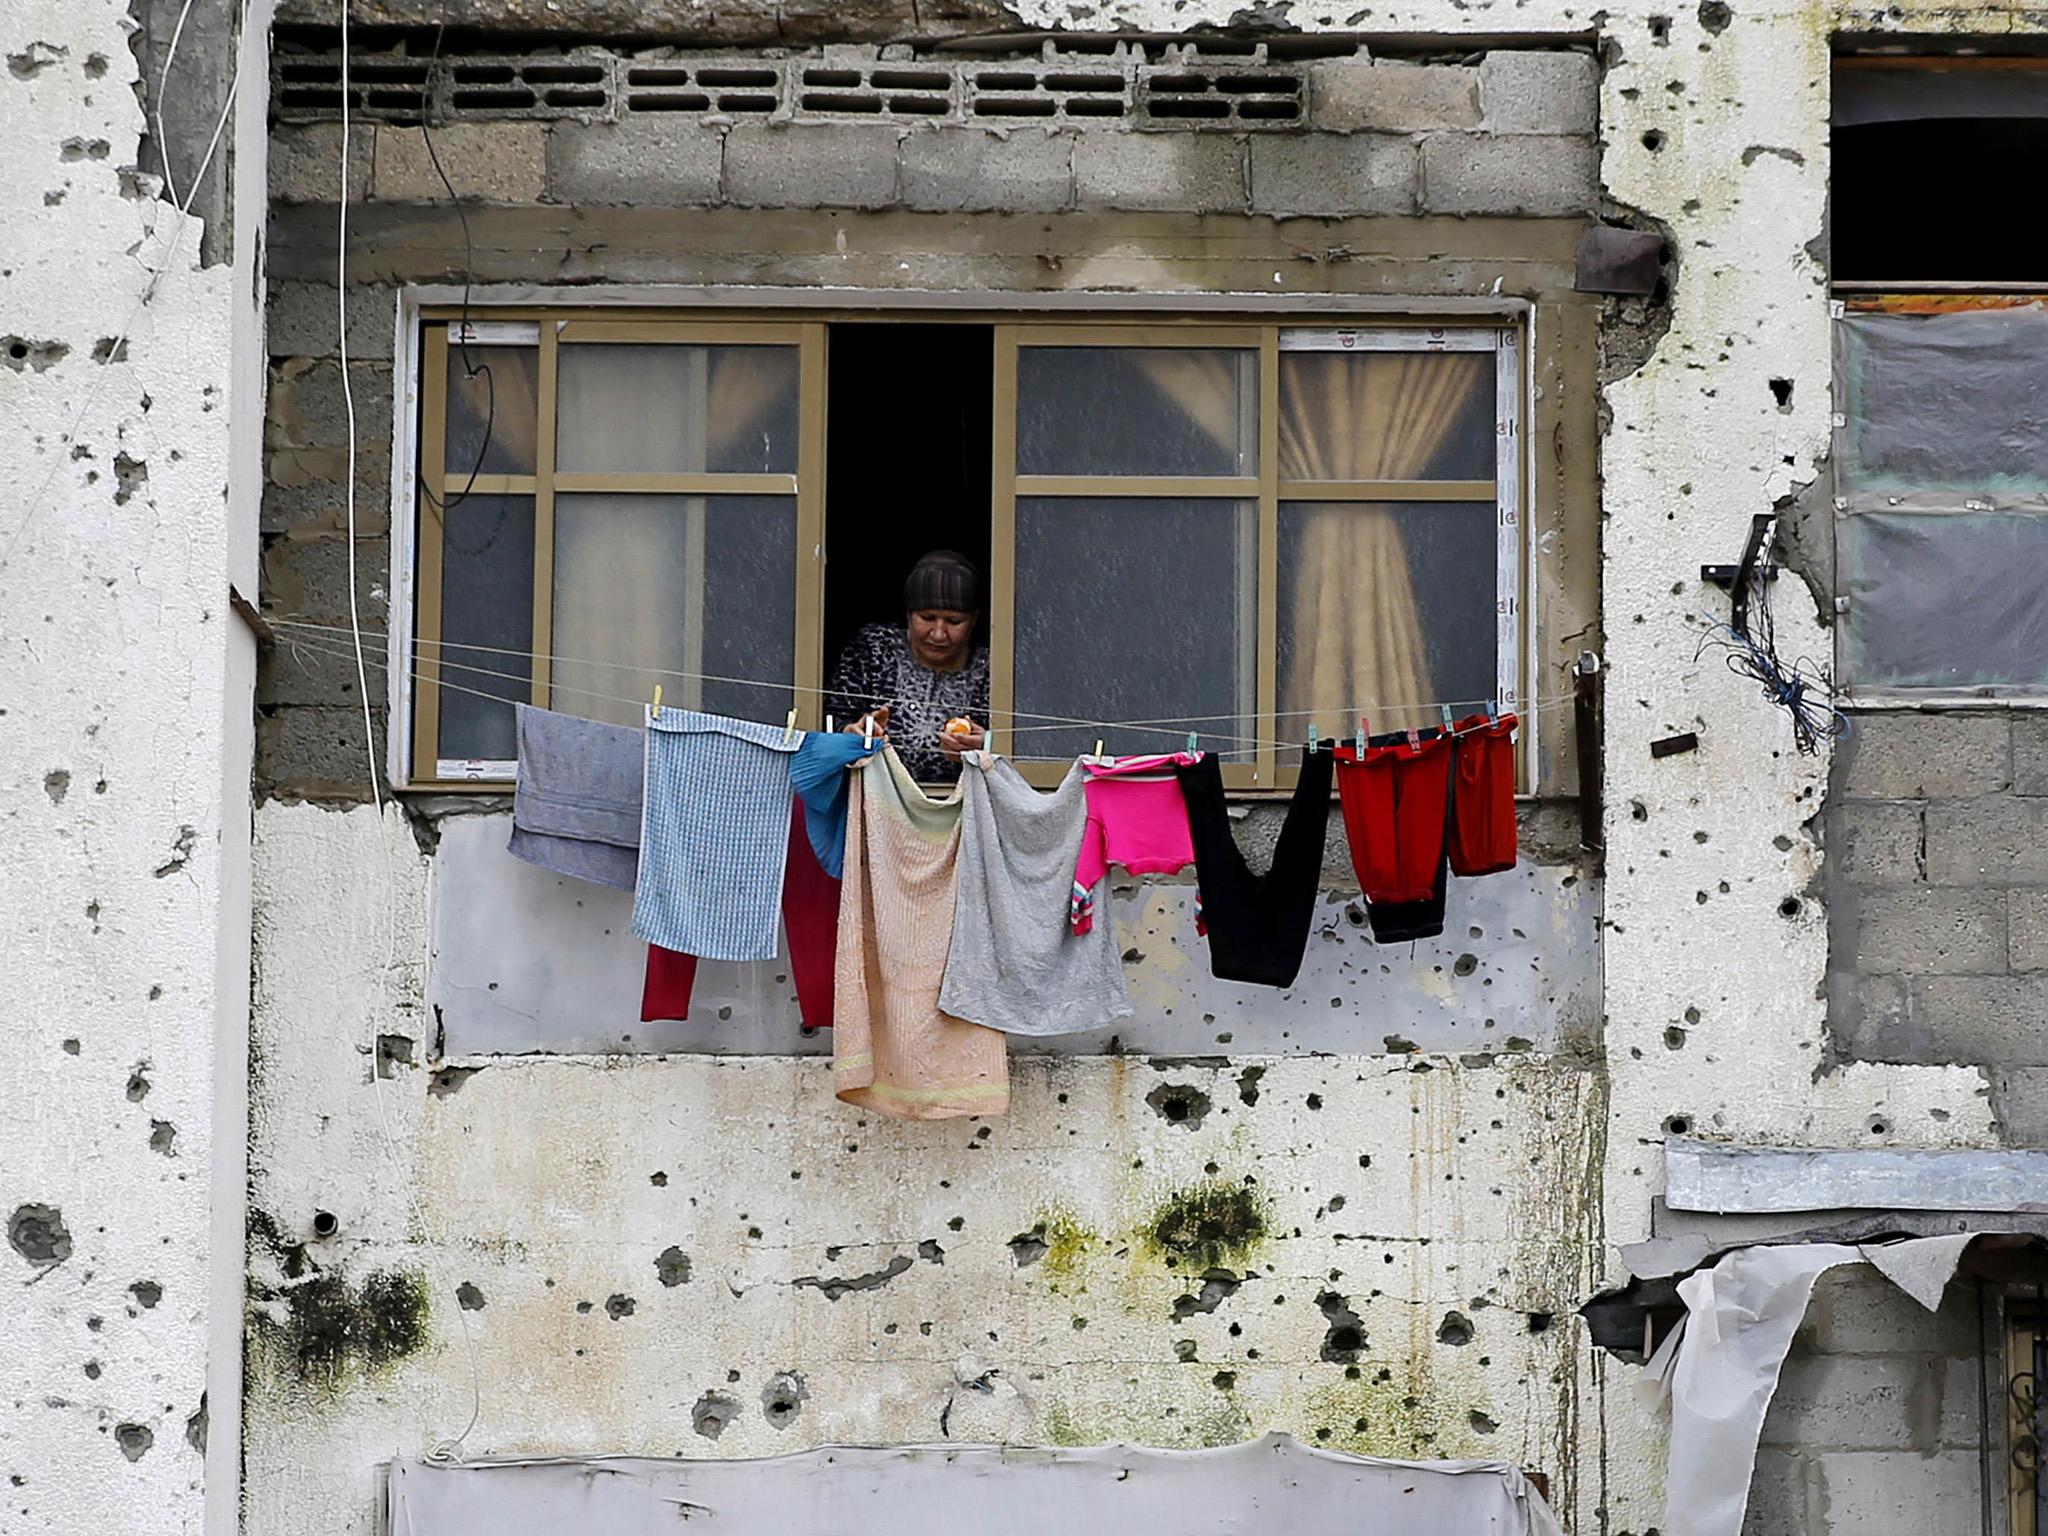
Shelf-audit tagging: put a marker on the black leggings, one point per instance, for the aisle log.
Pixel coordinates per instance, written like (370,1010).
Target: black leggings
(1258,924)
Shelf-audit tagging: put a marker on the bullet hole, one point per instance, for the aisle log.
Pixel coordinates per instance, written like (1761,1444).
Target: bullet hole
(1399,1045)
(1218,1286)
(1346,1335)
(38,1234)
(1248,1085)
(75,148)
(447,1081)
(147,1293)
(1678,1125)
(1692,1015)
(181,850)
(1482,1423)
(1539,1322)
(57,784)
(672,1266)
(155,992)
(33,60)
(71,1046)
(1027,1248)
(468,1297)
(714,1410)
(1314,1101)
(92,1370)
(393,1052)
(1660,30)
(138,1083)
(325,1224)
(1336,1204)
(585,1307)
(1879,1126)
(134,1440)
(196,1426)
(92,914)
(110,349)
(19,352)
(1365,1159)
(1179,1104)
(95,66)
(1465,965)
(617,1306)
(658,1179)
(931,1252)
(783,1398)
(1455,1330)
(1790,907)
(1184,1350)
(1674,1038)
(1223,1381)
(1715,16)
(1653,140)
(955,1223)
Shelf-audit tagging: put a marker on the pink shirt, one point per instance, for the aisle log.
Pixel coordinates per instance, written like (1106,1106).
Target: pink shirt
(1136,818)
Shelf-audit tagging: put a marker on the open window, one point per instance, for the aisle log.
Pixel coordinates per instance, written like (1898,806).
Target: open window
(1941,364)
(1243,531)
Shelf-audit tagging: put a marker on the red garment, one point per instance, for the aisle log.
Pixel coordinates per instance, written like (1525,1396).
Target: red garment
(1483,810)
(1394,804)
(810,919)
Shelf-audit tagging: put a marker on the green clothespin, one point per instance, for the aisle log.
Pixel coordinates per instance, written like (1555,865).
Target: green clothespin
(1193,746)
(1445,710)
(1312,736)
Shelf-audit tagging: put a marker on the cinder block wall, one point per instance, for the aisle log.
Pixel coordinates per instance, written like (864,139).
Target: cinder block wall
(1876,1424)
(1938,900)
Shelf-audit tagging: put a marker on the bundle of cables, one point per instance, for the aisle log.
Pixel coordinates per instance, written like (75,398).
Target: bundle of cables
(1802,688)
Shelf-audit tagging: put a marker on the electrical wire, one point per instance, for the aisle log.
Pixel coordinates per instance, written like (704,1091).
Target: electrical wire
(1802,688)
(348,400)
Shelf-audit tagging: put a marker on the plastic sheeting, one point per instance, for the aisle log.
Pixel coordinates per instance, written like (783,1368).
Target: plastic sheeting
(1264,1486)
(1718,1371)
(1941,483)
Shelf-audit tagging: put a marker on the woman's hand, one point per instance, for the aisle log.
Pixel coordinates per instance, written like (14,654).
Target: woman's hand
(876,725)
(953,741)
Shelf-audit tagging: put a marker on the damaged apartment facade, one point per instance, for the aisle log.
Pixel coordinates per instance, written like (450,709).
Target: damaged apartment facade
(342,1140)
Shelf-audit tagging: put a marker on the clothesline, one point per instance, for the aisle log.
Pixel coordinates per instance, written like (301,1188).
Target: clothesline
(1164,725)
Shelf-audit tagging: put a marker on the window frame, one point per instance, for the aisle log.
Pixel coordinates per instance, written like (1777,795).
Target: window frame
(1503,327)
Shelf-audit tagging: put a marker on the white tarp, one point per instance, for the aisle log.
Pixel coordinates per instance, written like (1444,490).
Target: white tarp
(1262,1487)
(1717,1371)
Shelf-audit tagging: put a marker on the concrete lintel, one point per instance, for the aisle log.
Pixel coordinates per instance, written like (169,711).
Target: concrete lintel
(1701,1176)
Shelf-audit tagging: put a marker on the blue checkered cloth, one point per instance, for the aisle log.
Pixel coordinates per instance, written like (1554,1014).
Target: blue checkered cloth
(714,836)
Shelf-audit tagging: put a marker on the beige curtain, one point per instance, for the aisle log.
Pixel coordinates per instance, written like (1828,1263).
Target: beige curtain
(1356,637)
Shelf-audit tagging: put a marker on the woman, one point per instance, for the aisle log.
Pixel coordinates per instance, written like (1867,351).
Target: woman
(912,680)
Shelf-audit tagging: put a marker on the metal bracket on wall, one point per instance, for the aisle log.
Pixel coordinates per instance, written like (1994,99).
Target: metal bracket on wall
(1754,566)
(1586,725)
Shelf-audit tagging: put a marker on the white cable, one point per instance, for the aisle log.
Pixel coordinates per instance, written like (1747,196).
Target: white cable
(163,141)
(348,400)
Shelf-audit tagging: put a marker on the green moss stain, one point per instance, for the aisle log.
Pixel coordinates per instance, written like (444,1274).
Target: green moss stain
(1066,1242)
(1209,1226)
(330,1326)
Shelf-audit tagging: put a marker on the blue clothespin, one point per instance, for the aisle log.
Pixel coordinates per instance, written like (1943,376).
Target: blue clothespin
(1363,732)
(1312,736)
(1445,710)
(1492,712)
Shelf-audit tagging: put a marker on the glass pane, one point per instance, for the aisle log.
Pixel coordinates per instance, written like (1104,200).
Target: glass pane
(1135,609)
(492,410)
(668,589)
(1952,601)
(676,410)
(1386,416)
(1950,404)
(1386,609)
(486,620)
(1137,411)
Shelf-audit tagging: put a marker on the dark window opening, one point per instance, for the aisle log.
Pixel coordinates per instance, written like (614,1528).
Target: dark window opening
(907,463)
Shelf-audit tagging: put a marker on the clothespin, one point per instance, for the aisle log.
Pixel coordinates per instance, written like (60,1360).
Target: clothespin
(789,729)
(867,729)
(1098,749)
(1445,710)
(1492,712)
(657,698)
(1312,734)
(1363,732)
(828,725)
(1194,745)
(1414,741)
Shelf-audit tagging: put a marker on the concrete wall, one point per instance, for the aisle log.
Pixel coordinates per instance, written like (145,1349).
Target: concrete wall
(124,758)
(1938,899)
(707,1256)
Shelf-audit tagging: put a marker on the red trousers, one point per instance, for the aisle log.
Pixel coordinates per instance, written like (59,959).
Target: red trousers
(810,920)
(1393,801)
(1483,818)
